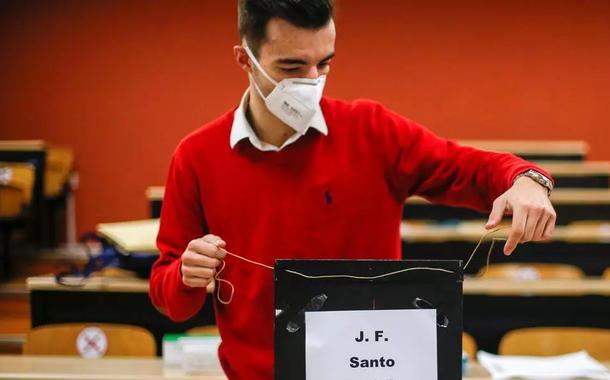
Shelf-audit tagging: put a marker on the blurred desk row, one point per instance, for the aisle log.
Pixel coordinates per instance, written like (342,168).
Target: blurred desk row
(571,205)
(492,307)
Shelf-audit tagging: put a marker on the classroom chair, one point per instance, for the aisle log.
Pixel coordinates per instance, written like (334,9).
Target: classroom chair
(61,339)
(544,341)
(469,345)
(16,189)
(59,167)
(606,274)
(59,164)
(532,271)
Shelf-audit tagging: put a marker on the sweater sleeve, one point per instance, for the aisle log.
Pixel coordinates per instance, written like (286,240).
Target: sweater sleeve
(443,171)
(182,220)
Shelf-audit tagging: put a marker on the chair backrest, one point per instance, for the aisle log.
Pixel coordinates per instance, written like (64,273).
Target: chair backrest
(60,162)
(469,345)
(204,330)
(90,340)
(532,271)
(606,274)
(544,341)
(16,187)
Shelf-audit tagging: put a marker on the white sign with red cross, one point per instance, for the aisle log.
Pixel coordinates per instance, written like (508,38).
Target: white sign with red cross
(92,343)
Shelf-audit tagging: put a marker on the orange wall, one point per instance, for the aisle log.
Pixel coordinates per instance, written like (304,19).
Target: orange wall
(123,81)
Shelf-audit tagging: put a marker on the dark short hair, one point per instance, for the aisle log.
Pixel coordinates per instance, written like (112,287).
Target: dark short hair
(254,15)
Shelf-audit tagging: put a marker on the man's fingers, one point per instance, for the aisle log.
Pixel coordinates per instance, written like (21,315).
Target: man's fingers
(540,227)
(195,282)
(198,272)
(534,216)
(517,230)
(198,260)
(206,247)
(214,240)
(550,226)
(497,212)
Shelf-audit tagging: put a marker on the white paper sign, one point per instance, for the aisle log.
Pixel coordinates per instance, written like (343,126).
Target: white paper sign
(371,345)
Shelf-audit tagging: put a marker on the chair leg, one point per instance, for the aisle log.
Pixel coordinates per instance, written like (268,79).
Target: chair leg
(5,252)
(51,224)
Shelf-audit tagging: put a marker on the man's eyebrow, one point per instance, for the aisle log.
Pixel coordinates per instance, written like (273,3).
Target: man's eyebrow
(292,61)
(328,57)
(299,61)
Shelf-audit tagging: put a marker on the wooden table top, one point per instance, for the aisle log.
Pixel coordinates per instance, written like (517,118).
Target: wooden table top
(559,196)
(472,286)
(70,368)
(528,288)
(472,231)
(411,231)
(575,168)
(22,145)
(155,193)
(529,147)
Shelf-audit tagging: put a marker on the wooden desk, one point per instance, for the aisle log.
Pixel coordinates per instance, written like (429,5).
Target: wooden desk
(575,168)
(106,300)
(472,231)
(578,174)
(22,145)
(472,286)
(494,307)
(94,284)
(491,307)
(535,150)
(586,246)
(559,196)
(67,368)
(154,195)
(571,205)
(71,368)
(529,288)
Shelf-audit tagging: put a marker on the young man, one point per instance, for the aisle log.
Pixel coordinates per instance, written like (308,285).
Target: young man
(292,174)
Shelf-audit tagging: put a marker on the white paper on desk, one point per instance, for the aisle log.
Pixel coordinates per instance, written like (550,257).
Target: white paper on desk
(335,341)
(578,364)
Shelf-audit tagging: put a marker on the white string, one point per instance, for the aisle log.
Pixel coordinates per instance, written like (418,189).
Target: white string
(493,241)
(367,277)
(376,277)
(219,281)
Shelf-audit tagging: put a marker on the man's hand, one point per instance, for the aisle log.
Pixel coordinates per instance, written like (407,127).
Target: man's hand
(533,214)
(200,260)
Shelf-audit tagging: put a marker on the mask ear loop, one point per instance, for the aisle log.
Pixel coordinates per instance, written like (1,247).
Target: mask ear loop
(258,65)
(262,71)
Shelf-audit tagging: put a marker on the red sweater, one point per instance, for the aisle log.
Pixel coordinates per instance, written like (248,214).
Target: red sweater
(337,196)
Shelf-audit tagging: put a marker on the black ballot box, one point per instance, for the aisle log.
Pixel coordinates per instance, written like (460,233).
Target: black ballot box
(368,319)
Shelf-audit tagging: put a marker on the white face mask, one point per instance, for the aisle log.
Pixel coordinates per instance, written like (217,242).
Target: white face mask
(294,101)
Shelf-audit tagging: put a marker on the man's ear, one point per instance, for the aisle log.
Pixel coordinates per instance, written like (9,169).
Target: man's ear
(242,59)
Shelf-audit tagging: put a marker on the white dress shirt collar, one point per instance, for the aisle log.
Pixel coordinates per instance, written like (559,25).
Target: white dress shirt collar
(241,128)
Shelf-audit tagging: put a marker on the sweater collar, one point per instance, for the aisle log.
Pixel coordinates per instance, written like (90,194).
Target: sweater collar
(241,128)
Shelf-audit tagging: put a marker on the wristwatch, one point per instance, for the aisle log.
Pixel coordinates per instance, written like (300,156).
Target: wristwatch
(539,178)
